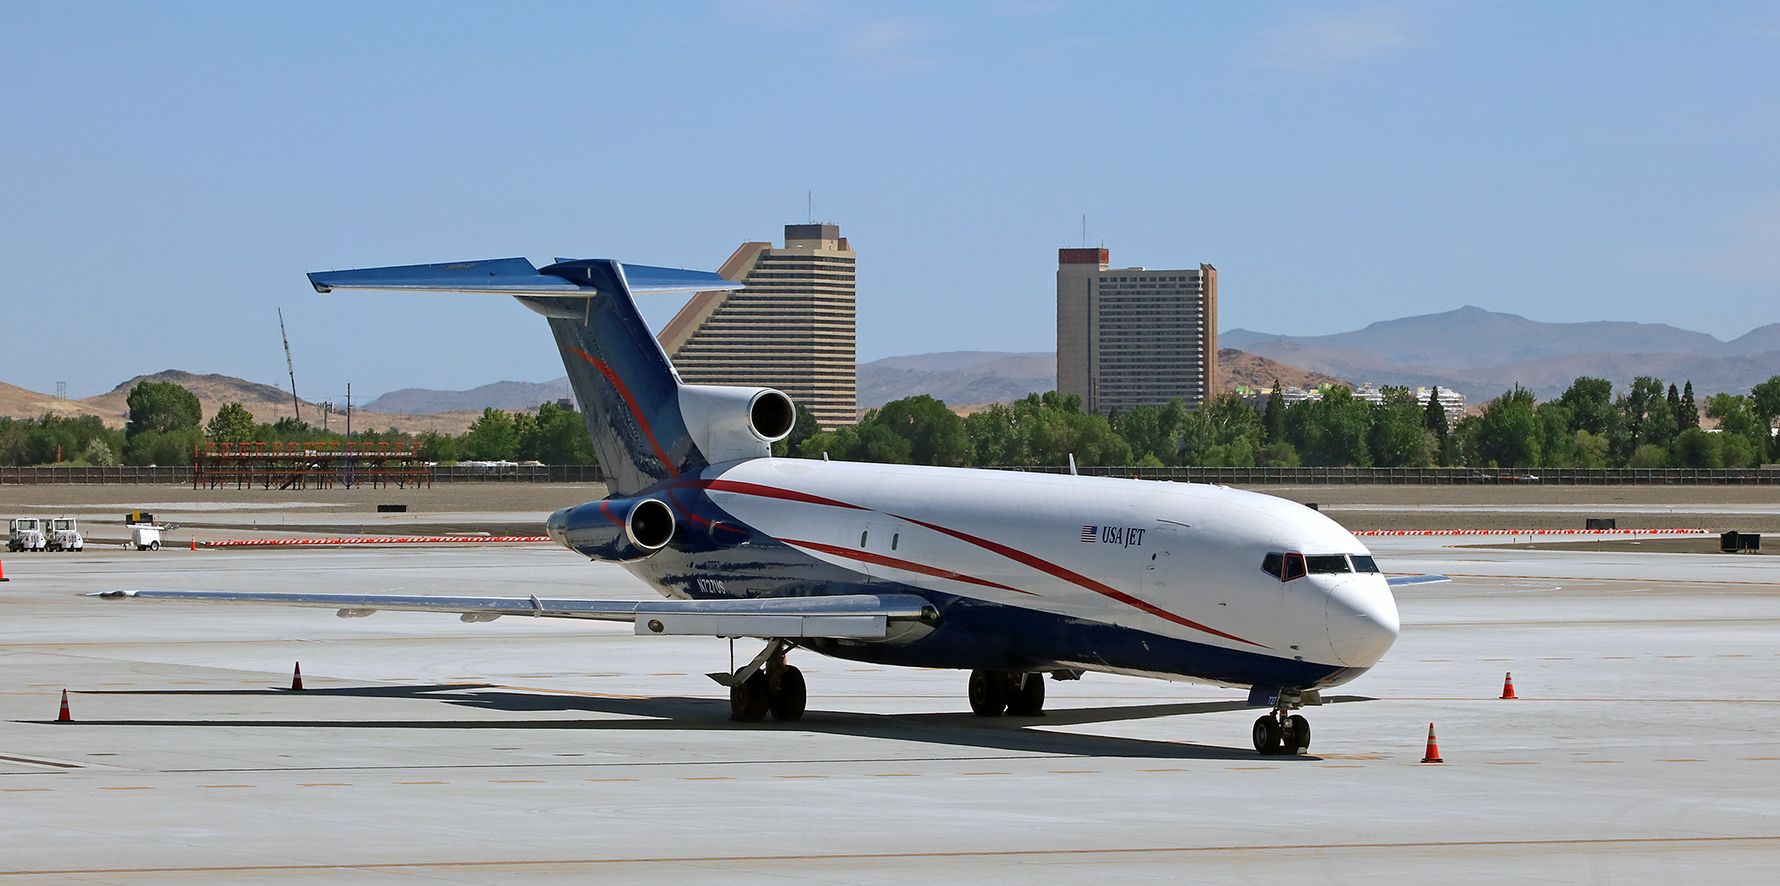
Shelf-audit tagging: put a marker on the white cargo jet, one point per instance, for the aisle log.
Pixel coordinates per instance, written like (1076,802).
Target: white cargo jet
(1009,575)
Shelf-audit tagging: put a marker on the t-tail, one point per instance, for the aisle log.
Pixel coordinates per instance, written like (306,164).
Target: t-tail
(648,427)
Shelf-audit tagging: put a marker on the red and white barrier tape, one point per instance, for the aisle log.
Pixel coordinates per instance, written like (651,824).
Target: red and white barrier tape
(1596,532)
(374,540)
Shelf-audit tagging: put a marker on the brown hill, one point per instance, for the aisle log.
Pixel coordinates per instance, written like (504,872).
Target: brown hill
(1243,369)
(267,403)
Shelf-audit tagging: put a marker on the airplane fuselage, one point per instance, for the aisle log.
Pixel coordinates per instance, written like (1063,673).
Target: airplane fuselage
(1032,572)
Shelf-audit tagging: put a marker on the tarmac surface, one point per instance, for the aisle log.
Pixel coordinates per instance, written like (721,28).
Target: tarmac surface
(1645,746)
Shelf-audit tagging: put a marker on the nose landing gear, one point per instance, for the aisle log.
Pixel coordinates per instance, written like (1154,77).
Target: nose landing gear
(1282,732)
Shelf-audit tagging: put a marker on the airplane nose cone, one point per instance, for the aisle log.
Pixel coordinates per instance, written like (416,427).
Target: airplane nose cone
(1362,620)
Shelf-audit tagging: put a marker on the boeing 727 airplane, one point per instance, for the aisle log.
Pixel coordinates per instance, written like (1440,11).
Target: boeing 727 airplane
(1009,575)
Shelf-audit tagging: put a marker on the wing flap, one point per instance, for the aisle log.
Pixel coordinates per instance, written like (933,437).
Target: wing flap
(848,616)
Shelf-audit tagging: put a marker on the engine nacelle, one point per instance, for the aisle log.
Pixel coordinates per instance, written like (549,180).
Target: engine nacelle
(616,529)
(729,423)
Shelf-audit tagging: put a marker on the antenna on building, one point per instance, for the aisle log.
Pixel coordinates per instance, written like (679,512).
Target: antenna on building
(809,207)
(291,366)
(1084,230)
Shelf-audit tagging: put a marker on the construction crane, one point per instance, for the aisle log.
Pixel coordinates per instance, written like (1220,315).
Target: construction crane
(290,365)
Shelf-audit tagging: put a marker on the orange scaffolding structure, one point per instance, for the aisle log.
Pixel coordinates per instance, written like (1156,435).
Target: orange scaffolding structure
(318,465)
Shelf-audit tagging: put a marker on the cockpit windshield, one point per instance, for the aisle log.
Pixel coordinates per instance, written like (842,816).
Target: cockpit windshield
(1292,565)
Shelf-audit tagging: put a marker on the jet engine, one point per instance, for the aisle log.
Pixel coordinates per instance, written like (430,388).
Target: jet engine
(616,529)
(729,423)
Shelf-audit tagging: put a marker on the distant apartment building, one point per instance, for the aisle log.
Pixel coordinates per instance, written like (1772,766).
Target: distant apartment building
(1134,336)
(1451,402)
(792,329)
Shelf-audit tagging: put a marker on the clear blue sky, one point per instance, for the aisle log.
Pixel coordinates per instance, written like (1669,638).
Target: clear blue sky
(169,171)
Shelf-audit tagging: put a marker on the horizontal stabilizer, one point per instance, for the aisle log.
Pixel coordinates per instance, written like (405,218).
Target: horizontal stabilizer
(517,276)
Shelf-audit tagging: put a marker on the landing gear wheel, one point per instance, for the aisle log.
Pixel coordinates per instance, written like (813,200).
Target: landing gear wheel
(1027,696)
(749,699)
(1267,735)
(988,693)
(789,696)
(1297,734)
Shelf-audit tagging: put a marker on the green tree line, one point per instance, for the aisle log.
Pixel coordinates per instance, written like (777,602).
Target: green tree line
(1650,425)
(166,425)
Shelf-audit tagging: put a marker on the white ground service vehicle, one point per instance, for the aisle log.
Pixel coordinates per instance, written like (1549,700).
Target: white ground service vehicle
(27,535)
(63,535)
(145,533)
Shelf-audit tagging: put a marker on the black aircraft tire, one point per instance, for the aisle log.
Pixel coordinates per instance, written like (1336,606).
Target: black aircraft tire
(788,702)
(1299,735)
(1267,735)
(749,699)
(1027,696)
(988,693)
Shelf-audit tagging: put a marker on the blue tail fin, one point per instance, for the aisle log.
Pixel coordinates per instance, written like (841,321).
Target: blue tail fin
(627,388)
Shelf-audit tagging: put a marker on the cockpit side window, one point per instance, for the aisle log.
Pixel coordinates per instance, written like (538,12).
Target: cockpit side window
(1294,567)
(1327,564)
(1364,563)
(1271,564)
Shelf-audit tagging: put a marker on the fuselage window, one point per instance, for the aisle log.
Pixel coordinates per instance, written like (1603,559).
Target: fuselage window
(1364,563)
(1270,564)
(862,534)
(894,539)
(1294,567)
(1327,564)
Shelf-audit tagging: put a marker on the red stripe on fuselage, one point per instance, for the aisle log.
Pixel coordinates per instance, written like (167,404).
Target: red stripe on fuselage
(636,412)
(1077,578)
(894,563)
(1017,556)
(746,488)
(607,510)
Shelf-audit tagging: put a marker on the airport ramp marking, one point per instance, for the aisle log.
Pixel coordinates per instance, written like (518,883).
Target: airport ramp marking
(298,867)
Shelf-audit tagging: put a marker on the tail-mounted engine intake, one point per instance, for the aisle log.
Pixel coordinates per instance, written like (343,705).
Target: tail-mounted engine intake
(614,528)
(735,423)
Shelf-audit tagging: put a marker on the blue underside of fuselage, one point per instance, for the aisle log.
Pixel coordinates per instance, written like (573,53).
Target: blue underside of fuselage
(716,556)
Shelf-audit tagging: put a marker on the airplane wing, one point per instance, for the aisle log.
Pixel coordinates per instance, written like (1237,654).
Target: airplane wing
(853,616)
(1401,581)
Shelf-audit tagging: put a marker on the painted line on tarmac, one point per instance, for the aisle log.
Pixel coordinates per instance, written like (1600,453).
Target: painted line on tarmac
(1578,843)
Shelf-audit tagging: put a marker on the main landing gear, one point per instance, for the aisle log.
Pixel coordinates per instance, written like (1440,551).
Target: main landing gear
(994,692)
(766,685)
(1282,732)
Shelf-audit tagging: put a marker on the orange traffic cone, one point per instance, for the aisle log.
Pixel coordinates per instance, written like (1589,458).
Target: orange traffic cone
(296,678)
(64,715)
(3,573)
(194,544)
(1432,755)
(1508,686)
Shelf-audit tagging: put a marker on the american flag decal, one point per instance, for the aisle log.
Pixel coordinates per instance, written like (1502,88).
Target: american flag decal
(1090,533)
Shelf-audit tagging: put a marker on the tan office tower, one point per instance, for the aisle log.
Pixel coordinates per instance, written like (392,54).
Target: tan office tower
(793,328)
(1133,336)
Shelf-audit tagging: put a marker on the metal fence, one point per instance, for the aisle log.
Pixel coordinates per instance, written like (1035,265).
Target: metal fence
(172,475)
(182,475)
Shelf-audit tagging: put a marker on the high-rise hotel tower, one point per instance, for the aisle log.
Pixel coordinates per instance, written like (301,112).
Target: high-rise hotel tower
(793,328)
(1132,336)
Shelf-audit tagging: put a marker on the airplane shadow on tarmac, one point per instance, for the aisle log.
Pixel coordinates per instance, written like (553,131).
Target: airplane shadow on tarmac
(684,714)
